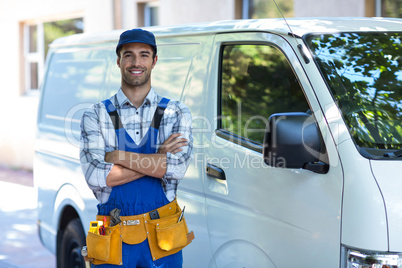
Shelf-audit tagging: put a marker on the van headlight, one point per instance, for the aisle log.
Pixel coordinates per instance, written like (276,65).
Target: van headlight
(352,258)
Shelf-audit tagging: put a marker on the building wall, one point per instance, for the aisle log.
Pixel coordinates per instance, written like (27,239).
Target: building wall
(174,12)
(329,8)
(192,11)
(17,109)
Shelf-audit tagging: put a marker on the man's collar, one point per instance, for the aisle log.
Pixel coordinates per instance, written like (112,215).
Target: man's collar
(123,100)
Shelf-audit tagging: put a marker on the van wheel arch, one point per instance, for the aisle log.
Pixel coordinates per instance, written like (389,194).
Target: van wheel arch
(241,253)
(70,240)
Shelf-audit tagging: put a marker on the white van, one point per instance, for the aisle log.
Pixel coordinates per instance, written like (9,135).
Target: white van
(297,140)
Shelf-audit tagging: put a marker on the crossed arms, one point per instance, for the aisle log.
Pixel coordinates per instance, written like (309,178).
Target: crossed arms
(103,167)
(129,166)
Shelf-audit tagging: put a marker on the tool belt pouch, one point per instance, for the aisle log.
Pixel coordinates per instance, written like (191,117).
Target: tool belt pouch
(105,248)
(133,230)
(173,236)
(167,236)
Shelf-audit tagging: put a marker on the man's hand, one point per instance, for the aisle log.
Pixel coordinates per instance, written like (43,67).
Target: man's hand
(119,175)
(173,144)
(145,164)
(114,157)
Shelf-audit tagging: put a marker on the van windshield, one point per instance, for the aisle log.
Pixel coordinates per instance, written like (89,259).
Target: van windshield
(364,73)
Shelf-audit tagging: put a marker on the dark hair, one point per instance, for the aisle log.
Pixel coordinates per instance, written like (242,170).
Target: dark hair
(152,47)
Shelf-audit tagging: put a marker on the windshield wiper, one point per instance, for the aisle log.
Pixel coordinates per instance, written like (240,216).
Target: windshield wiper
(394,154)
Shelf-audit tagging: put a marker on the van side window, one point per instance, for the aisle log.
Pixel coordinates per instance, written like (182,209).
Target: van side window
(76,77)
(256,81)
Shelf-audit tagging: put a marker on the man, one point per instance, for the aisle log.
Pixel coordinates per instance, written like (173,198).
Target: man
(136,146)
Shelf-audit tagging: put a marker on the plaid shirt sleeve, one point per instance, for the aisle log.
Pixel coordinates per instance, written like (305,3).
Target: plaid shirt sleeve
(178,163)
(92,154)
(177,119)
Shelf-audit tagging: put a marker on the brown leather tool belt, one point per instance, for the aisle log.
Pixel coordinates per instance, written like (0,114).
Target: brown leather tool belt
(166,235)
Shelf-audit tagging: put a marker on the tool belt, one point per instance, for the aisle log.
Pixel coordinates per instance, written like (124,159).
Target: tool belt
(165,235)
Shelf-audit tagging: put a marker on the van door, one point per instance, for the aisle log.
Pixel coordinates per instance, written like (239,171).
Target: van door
(260,215)
(74,79)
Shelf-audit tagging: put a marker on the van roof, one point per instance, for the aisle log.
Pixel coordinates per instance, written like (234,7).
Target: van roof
(299,26)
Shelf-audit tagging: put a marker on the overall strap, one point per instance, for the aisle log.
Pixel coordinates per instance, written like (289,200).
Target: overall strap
(156,121)
(114,116)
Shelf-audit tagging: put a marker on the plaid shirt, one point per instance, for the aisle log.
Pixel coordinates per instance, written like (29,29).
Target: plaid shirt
(98,137)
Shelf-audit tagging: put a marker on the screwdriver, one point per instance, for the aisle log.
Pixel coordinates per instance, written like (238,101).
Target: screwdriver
(181,215)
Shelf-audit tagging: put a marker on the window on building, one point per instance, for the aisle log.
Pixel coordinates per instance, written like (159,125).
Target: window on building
(259,9)
(391,8)
(33,47)
(148,14)
(383,8)
(37,37)
(256,82)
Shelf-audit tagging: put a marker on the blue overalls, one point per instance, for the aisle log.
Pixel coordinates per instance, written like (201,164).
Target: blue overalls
(139,196)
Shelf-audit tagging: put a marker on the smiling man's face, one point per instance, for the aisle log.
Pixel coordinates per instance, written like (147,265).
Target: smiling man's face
(136,62)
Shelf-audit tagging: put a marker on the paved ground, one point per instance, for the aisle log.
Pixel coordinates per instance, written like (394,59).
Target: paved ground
(19,241)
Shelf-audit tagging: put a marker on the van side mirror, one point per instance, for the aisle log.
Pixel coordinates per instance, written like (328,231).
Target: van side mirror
(292,140)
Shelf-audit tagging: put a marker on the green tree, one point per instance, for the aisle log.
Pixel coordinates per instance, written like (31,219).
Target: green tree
(257,81)
(364,73)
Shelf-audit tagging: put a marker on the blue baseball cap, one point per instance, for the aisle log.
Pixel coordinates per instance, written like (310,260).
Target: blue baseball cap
(136,36)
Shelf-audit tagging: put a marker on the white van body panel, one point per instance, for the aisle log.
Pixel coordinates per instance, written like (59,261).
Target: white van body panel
(387,175)
(362,203)
(287,205)
(181,66)
(60,184)
(260,215)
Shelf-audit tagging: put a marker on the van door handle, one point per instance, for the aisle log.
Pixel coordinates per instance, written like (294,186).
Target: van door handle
(215,172)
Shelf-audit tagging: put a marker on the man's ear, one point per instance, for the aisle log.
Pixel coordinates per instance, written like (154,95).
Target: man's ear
(155,60)
(118,61)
